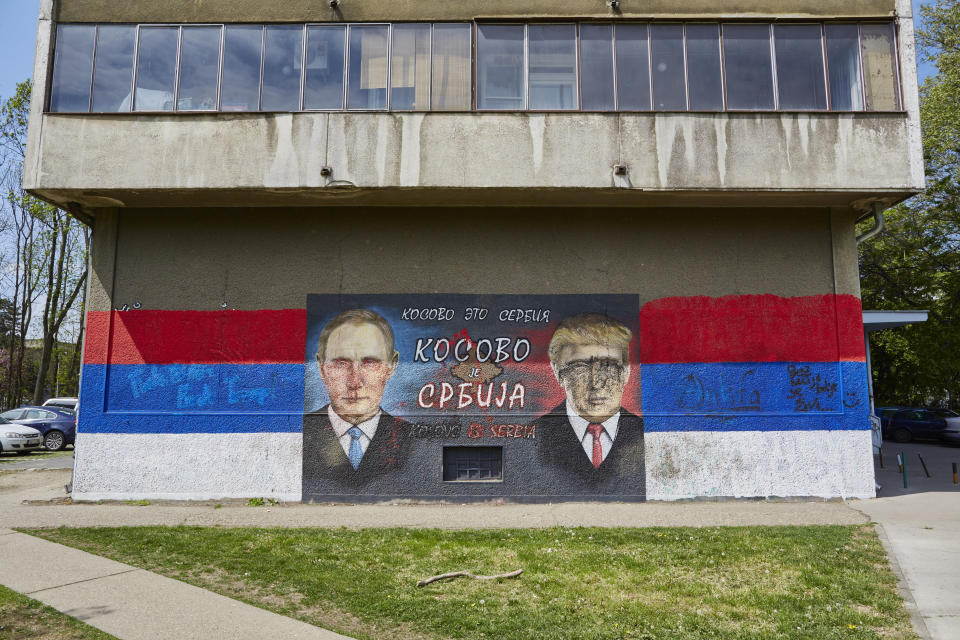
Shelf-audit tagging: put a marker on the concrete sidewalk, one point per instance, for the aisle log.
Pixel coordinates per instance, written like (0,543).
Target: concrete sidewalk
(133,604)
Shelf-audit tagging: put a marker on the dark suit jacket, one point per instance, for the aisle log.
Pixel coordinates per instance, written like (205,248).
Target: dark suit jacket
(559,450)
(327,470)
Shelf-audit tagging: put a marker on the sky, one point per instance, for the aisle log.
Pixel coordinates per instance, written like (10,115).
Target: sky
(18,28)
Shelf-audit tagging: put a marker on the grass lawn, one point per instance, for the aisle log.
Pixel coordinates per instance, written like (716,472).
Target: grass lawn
(22,618)
(728,582)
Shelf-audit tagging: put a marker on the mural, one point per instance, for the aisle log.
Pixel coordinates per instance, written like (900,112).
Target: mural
(392,382)
(535,397)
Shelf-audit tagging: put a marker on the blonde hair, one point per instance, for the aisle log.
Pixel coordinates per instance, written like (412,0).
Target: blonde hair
(355,316)
(590,328)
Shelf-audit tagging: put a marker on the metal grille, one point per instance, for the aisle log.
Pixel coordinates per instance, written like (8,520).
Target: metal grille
(472,464)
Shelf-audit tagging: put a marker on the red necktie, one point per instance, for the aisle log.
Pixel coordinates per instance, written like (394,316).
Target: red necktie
(595,430)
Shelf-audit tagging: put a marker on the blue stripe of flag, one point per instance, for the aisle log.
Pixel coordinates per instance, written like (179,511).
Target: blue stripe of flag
(755,396)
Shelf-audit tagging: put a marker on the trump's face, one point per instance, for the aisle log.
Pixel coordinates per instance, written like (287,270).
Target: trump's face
(357,364)
(593,376)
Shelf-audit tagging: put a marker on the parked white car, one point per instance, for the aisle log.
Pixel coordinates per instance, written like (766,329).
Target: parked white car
(18,438)
(62,403)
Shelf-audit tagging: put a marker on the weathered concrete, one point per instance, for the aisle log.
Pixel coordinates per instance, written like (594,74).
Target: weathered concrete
(271,258)
(375,10)
(81,156)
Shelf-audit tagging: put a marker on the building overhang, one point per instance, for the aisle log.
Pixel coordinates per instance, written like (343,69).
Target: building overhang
(879,320)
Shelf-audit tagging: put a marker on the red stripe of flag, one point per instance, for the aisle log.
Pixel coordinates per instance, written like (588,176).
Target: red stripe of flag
(753,328)
(196,337)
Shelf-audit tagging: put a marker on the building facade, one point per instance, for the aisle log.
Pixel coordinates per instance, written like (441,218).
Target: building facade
(370,250)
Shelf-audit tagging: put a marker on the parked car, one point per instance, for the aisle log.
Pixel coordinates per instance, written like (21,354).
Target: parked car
(911,423)
(62,403)
(58,426)
(18,438)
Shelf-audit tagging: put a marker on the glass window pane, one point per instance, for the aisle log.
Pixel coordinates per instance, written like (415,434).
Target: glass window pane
(282,56)
(596,67)
(113,72)
(199,63)
(323,88)
(156,69)
(240,79)
(749,71)
(843,62)
(633,69)
(553,66)
(410,70)
(704,77)
(800,79)
(880,67)
(669,84)
(72,66)
(499,66)
(367,85)
(452,66)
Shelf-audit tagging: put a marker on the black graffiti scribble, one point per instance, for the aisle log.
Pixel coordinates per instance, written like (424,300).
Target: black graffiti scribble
(808,390)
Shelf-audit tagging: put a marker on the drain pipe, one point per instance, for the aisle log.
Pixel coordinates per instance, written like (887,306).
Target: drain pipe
(877,226)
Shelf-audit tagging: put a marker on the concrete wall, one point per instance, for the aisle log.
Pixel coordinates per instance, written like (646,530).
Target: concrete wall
(133,159)
(374,10)
(707,262)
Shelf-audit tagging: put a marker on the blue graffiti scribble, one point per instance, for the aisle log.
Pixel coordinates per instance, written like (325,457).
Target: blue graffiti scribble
(252,395)
(742,394)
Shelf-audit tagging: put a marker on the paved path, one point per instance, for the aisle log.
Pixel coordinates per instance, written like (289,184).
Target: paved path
(922,527)
(133,604)
(41,461)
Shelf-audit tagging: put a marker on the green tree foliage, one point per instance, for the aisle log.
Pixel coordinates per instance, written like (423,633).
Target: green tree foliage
(915,263)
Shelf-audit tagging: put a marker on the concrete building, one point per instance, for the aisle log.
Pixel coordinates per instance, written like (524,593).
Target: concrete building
(474,250)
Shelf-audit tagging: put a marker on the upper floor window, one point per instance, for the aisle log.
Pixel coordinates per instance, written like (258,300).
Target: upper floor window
(587,66)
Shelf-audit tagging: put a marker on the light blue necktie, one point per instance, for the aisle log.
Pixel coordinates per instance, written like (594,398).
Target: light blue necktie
(356,451)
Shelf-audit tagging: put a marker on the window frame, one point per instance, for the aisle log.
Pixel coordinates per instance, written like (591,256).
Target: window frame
(474,27)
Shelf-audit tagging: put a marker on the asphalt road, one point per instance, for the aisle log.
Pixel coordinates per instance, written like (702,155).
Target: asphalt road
(11,462)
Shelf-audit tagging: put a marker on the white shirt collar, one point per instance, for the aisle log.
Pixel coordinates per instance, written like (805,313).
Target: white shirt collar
(341,426)
(580,425)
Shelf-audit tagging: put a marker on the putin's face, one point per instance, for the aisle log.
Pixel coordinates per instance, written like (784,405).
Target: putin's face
(593,376)
(357,364)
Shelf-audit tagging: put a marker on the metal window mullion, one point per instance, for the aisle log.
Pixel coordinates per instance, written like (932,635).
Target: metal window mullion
(576,40)
(863,75)
(176,71)
(263,57)
(896,63)
(93,66)
(223,40)
(430,71)
(826,66)
(686,71)
(723,69)
(346,67)
(303,65)
(773,68)
(526,67)
(136,64)
(388,88)
(474,53)
(650,65)
(613,54)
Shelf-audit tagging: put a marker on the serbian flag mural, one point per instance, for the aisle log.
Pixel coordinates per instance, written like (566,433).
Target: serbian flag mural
(533,395)
(754,363)
(157,371)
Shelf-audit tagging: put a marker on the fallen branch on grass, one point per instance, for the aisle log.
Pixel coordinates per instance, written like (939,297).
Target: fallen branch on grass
(457,574)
